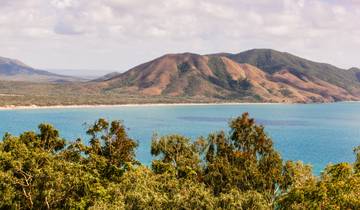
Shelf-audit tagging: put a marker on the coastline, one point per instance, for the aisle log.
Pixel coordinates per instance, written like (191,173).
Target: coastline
(30,107)
(34,107)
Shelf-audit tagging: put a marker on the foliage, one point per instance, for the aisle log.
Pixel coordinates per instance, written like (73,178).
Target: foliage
(110,148)
(183,67)
(178,154)
(337,188)
(238,170)
(245,160)
(272,61)
(286,92)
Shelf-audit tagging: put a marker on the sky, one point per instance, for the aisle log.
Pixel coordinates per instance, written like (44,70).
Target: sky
(101,36)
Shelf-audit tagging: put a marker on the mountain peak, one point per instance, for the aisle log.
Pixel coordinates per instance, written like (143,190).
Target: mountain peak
(10,61)
(262,50)
(180,55)
(15,70)
(253,75)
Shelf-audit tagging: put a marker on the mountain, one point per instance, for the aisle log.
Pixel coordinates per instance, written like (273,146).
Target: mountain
(14,70)
(272,62)
(354,69)
(259,75)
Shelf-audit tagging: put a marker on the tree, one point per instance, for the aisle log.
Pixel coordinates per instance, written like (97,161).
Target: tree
(241,170)
(357,159)
(337,188)
(296,174)
(34,176)
(49,138)
(218,171)
(111,150)
(177,154)
(245,159)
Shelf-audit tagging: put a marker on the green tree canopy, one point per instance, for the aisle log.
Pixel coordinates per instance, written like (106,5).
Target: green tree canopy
(238,170)
(177,154)
(245,159)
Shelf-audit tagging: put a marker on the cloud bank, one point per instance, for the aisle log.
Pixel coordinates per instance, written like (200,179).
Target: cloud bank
(117,34)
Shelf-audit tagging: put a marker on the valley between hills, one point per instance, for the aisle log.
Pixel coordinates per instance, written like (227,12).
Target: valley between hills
(258,76)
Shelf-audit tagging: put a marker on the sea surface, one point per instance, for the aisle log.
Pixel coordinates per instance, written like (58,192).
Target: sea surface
(317,134)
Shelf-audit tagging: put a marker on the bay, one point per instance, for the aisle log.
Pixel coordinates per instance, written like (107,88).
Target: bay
(317,134)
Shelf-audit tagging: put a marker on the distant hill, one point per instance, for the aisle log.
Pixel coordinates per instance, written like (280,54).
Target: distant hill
(256,75)
(14,70)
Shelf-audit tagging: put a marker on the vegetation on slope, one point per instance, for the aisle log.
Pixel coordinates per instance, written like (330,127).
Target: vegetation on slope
(239,170)
(273,61)
(27,94)
(252,76)
(257,75)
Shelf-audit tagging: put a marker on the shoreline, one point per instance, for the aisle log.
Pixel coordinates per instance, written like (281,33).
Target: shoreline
(34,107)
(30,107)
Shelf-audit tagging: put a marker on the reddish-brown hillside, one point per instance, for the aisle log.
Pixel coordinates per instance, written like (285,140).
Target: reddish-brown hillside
(217,76)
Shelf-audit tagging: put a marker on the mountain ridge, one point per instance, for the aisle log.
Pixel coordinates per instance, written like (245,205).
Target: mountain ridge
(15,70)
(251,76)
(273,61)
(256,75)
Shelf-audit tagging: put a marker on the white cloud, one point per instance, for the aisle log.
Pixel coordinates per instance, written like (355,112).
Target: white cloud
(117,34)
(62,4)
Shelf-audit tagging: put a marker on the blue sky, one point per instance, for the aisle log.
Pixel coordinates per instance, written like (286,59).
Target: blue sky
(108,35)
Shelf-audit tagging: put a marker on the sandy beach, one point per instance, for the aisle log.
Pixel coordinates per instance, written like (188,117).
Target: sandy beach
(13,107)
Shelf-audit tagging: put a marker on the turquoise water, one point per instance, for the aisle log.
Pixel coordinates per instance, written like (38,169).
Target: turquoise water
(314,133)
